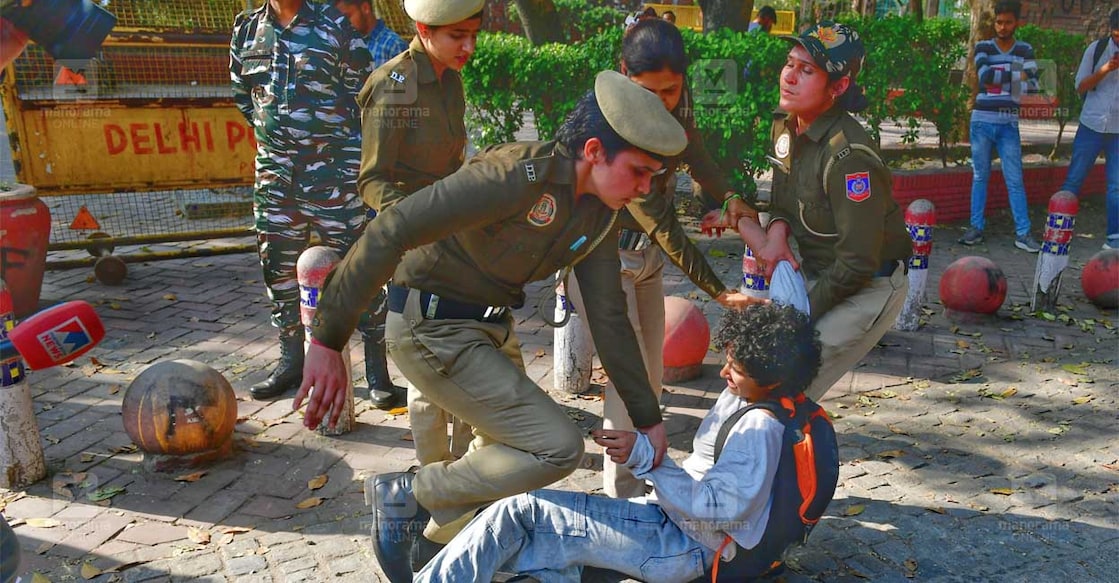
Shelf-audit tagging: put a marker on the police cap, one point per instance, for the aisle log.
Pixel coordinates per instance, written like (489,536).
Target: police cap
(638,115)
(442,12)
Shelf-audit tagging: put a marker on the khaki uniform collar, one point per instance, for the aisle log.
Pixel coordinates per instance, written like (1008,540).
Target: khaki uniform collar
(565,169)
(425,71)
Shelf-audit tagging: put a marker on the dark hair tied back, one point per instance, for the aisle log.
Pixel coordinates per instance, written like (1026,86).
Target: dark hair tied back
(653,45)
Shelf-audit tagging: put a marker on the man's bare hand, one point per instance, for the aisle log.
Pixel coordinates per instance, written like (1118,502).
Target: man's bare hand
(618,444)
(324,379)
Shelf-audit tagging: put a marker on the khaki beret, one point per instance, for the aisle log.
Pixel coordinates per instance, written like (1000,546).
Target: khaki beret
(638,115)
(442,12)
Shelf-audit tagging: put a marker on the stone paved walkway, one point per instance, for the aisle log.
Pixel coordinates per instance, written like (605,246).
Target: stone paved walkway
(979,452)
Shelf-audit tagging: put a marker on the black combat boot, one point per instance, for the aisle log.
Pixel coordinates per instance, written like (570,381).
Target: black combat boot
(289,371)
(382,393)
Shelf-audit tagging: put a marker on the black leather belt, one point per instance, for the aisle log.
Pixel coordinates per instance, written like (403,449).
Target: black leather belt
(631,240)
(434,307)
(889,267)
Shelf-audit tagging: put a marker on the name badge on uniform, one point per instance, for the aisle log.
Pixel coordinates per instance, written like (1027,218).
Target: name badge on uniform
(858,186)
(781,148)
(543,212)
(397,76)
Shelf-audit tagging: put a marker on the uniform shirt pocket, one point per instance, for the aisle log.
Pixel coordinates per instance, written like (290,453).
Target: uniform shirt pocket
(256,67)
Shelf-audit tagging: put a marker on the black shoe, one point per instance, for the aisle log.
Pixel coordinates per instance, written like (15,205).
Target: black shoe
(382,393)
(423,551)
(398,519)
(289,371)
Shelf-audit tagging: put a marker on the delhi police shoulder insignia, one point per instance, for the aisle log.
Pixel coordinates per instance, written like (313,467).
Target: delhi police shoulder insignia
(530,171)
(781,148)
(543,212)
(397,76)
(858,186)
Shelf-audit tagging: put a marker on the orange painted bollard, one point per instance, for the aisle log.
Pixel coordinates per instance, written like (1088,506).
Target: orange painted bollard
(25,228)
(311,270)
(686,337)
(1053,259)
(920,216)
(972,287)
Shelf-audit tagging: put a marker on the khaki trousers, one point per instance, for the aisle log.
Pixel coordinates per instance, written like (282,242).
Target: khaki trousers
(642,273)
(854,326)
(474,371)
(429,430)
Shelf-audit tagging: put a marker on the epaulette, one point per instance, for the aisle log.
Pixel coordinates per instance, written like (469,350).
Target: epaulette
(537,169)
(843,149)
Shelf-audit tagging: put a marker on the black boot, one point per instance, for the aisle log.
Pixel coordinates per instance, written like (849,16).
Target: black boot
(382,393)
(289,371)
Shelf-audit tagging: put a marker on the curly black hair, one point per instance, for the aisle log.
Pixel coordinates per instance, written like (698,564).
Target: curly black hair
(773,343)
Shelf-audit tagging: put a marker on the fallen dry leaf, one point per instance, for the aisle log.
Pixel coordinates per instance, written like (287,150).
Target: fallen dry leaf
(541,353)
(234,529)
(170,297)
(43,548)
(130,448)
(309,503)
(397,411)
(191,477)
(407,437)
(936,509)
(89,571)
(1082,400)
(43,522)
(1009,392)
(225,539)
(317,482)
(897,430)
(198,535)
(1002,491)
(962,344)
(114,389)
(854,510)
(86,457)
(893,453)
(39,578)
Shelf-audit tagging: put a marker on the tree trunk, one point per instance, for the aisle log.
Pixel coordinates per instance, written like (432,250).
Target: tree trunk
(932,8)
(725,14)
(539,19)
(917,9)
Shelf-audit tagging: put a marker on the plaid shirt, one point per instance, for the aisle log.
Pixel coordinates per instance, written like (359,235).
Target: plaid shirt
(384,44)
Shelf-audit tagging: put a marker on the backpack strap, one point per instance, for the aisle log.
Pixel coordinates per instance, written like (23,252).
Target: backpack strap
(1097,55)
(724,430)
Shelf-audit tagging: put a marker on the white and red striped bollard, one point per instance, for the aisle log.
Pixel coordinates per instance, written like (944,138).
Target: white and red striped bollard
(1053,258)
(574,349)
(754,283)
(920,216)
(311,270)
(21,451)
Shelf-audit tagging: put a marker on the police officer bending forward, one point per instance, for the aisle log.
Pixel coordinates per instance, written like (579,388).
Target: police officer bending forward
(459,253)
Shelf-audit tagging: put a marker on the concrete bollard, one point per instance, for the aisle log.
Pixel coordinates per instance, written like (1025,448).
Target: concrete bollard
(754,283)
(311,270)
(1053,259)
(21,451)
(574,356)
(920,216)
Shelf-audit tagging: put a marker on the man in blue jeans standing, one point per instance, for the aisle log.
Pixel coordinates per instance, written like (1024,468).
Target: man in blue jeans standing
(1098,82)
(1006,69)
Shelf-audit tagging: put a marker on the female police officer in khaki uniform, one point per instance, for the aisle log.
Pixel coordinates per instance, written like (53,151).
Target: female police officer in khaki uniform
(653,56)
(832,193)
(413,134)
(460,252)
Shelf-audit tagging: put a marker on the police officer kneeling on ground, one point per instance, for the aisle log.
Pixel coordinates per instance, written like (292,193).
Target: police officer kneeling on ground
(459,253)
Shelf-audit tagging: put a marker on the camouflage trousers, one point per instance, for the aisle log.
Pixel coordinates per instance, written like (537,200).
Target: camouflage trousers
(286,216)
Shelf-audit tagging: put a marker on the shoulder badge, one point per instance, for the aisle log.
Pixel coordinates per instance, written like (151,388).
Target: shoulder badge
(858,186)
(843,153)
(781,148)
(543,212)
(530,172)
(397,76)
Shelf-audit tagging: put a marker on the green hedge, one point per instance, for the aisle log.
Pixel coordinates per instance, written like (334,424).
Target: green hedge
(907,78)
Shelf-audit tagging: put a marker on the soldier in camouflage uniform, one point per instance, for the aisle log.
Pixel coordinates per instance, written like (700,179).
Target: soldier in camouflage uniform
(296,68)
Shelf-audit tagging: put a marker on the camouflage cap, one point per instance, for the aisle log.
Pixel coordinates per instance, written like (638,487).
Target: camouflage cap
(638,115)
(835,47)
(442,12)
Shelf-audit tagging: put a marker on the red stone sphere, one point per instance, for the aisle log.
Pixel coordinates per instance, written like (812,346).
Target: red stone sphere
(179,407)
(686,333)
(973,284)
(1100,279)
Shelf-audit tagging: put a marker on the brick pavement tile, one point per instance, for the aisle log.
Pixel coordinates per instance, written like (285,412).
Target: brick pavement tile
(153,533)
(269,506)
(154,508)
(305,564)
(247,565)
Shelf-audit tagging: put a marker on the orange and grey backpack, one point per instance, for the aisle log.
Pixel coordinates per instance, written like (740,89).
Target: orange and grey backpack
(807,474)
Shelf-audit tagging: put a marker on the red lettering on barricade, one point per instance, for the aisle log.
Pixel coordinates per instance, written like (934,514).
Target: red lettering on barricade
(115,139)
(161,146)
(189,139)
(209,137)
(139,139)
(234,133)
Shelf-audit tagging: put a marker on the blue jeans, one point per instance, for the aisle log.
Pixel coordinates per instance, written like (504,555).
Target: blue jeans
(1085,147)
(1005,138)
(551,535)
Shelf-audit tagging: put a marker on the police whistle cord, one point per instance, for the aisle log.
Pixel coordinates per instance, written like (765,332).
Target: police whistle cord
(561,279)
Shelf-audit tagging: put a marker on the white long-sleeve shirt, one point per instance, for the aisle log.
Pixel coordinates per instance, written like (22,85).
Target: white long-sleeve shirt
(709,500)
